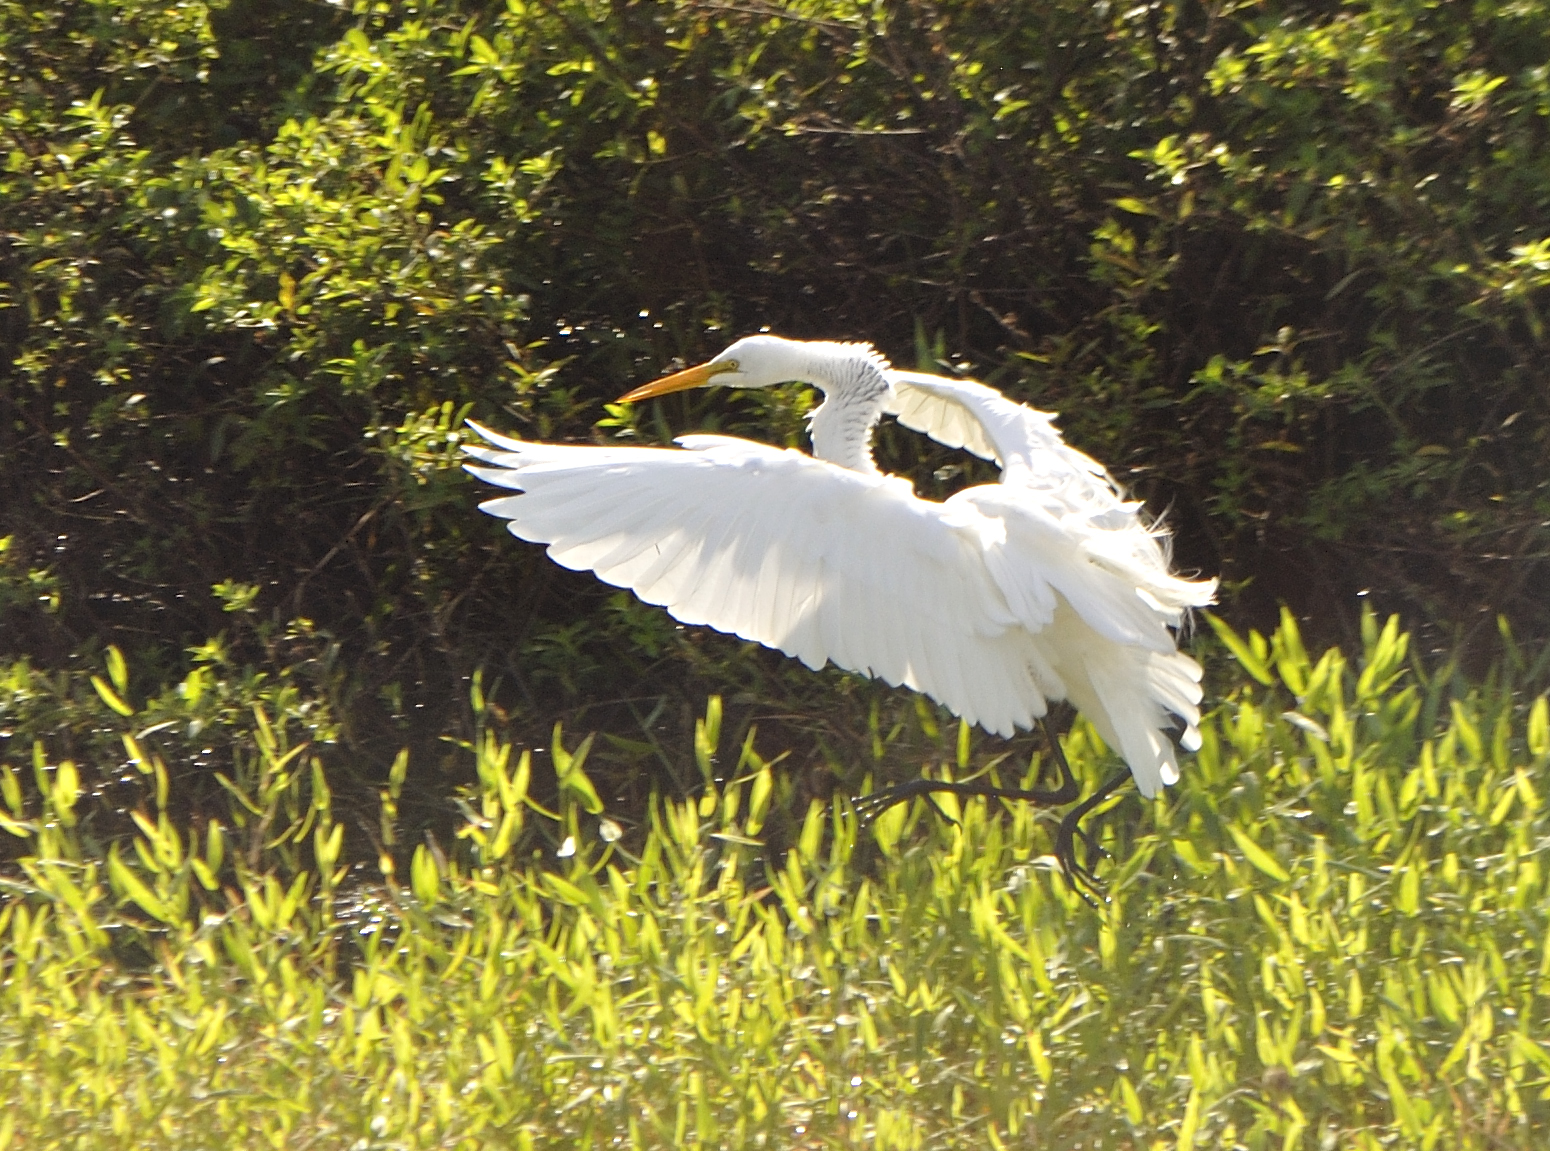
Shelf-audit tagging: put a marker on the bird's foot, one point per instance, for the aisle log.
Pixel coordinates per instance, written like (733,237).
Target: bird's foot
(869,807)
(1081,873)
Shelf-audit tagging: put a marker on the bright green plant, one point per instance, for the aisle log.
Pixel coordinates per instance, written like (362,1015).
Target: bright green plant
(1332,933)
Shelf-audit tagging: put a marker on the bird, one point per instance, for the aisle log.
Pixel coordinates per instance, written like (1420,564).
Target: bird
(1047,585)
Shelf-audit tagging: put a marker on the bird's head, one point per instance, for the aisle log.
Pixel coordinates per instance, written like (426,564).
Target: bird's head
(756,362)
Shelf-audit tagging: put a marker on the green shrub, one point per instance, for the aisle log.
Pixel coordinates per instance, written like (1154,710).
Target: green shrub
(1332,933)
(1281,265)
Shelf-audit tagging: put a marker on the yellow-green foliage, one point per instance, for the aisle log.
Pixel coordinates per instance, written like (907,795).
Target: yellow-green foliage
(1284,264)
(1333,933)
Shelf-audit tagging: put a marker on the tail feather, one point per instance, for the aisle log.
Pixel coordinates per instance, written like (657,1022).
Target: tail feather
(1135,699)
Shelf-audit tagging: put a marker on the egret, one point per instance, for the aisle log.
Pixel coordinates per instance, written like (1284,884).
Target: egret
(1048,585)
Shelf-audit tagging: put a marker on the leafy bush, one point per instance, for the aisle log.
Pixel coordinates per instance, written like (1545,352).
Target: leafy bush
(1282,265)
(1332,933)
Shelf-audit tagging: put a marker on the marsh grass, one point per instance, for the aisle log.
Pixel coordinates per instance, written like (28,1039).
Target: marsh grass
(1332,934)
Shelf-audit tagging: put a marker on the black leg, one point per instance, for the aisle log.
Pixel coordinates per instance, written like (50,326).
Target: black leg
(1068,790)
(1081,874)
(1078,875)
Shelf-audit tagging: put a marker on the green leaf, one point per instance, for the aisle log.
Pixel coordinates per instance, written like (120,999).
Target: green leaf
(66,791)
(574,780)
(128,884)
(111,697)
(424,877)
(398,772)
(1539,728)
(482,51)
(118,672)
(1135,207)
(1244,651)
(1257,855)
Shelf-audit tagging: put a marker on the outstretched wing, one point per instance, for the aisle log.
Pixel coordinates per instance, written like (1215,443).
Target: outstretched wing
(937,412)
(973,416)
(1067,490)
(823,563)
(1070,540)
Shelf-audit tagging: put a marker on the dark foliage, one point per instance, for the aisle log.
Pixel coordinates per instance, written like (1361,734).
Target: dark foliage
(1281,265)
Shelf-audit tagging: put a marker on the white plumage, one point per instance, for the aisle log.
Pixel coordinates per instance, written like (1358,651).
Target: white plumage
(1047,585)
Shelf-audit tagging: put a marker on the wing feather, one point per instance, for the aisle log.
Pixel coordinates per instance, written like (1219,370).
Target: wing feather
(772,545)
(937,414)
(1123,560)
(767,599)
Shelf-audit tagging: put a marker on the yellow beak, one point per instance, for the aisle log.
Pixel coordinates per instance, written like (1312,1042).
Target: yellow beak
(696,377)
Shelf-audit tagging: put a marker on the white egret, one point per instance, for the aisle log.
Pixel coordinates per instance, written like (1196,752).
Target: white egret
(1048,585)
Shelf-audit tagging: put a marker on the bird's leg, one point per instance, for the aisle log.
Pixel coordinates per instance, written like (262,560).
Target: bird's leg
(871,806)
(1069,790)
(1077,874)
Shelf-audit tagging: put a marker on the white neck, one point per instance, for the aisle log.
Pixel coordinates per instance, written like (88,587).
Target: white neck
(854,391)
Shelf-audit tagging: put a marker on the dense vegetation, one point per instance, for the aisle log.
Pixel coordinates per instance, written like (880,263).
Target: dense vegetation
(262,666)
(1334,934)
(1281,265)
